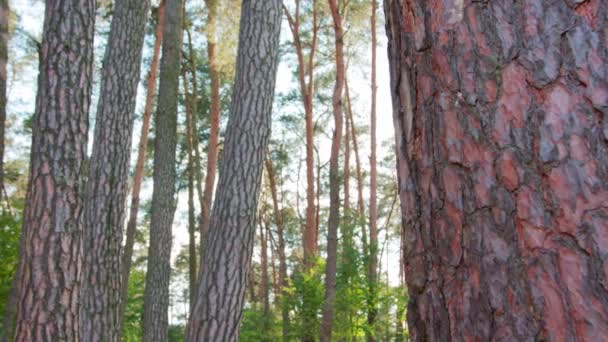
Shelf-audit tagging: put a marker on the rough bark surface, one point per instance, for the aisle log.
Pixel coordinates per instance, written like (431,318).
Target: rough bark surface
(138,177)
(230,239)
(334,177)
(500,119)
(156,294)
(107,188)
(50,260)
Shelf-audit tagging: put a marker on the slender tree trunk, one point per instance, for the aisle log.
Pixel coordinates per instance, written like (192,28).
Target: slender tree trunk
(107,188)
(139,166)
(156,295)
(306,81)
(50,260)
(4,18)
(373,205)
(229,241)
(264,269)
(334,178)
(278,219)
(9,313)
(498,114)
(358,171)
(214,114)
(192,256)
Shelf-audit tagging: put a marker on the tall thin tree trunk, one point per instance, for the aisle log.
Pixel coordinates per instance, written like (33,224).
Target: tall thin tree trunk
(107,188)
(501,140)
(50,259)
(141,159)
(192,256)
(358,171)
(229,241)
(156,295)
(334,178)
(306,81)
(373,205)
(264,286)
(278,219)
(214,115)
(4,17)
(8,319)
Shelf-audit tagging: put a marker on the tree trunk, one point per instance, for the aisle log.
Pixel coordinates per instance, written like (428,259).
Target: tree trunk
(264,286)
(156,295)
(50,259)
(192,256)
(107,189)
(278,220)
(4,18)
(139,166)
(214,114)
(373,206)
(334,178)
(229,241)
(503,175)
(310,237)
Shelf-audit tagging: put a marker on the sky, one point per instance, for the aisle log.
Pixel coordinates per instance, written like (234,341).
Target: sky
(22,99)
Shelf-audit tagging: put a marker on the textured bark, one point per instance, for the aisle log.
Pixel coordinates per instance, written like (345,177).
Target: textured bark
(500,119)
(229,241)
(107,188)
(192,256)
(306,81)
(334,178)
(372,267)
(156,294)
(214,115)
(278,220)
(50,259)
(141,159)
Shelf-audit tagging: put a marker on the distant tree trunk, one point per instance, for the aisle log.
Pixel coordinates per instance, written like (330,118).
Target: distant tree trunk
(264,286)
(278,219)
(9,313)
(334,178)
(214,115)
(498,114)
(229,241)
(4,17)
(141,160)
(192,256)
(346,205)
(50,259)
(358,172)
(373,205)
(156,295)
(107,188)
(306,81)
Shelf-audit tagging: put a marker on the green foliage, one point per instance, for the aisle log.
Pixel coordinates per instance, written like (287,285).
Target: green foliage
(132,329)
(10,228)
(259,327)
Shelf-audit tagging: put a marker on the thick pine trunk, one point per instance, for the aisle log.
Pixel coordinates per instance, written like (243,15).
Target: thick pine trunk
(501,131)
(109,172)
(50,260)
(372,267)
(4,18)
(156,294)
(229,241)
(138,177)
(334,178)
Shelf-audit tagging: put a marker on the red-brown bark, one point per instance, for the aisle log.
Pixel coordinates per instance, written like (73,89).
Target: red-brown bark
(138,177)
(500,119)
